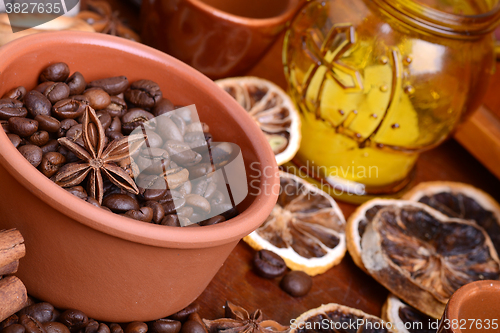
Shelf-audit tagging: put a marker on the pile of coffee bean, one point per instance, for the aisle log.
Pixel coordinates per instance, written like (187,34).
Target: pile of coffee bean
(44,318)
(34,120)
(269,265)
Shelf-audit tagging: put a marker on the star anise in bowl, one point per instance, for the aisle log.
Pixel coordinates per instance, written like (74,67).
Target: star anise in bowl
(238,320)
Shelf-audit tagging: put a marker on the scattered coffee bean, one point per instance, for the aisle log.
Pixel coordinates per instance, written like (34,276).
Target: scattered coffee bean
(11,108)
(15,93)
(55,327)
(136,327)
(120,203)
(171,220)
(23,127)
(76,84)
(14,328)
(15,139)
(143,93)
(56,92)
(32,153)
(134,118)
(296,283)
(47,123)
(98,98)
(51,163)
(112,85)
(68,108)
(57,72)
(213,220)
(115,328)
(192,326)
(183,314)
(144,214)
(51,146)
(43,312)
(164,326)
(39,138)
(117,107)
(73,319)
(65,125)
(30,324)
(268,264)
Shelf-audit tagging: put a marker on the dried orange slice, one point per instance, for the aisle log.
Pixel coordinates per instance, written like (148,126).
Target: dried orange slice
(305,228)
(406,319)
(272,109)
(423,256)
(461,201)
(333,317)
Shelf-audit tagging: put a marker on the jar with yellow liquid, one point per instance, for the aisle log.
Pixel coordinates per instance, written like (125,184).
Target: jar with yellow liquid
(377,82)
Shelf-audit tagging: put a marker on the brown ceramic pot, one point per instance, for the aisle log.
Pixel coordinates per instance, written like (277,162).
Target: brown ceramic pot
(111,267)
(217,37)
(473,308)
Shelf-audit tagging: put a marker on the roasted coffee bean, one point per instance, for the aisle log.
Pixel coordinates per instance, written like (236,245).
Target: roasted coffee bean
(98,98)
(199,170)
(198,202)
(136,327)
(103,328)
(91,327)
(185,211)
(42,86)
(51,146)
(11,108)
(193,326)
(171,206)
(162,107)
(158,211)
(115,135)
(197,127)
(14,328)
(181,153)
(23,127)
(153,139)
(120,203)
(213,220)
(153,160)
(5,126)
(81,98)
(115,328)
(164,326)
(115,125)
(57,72)
(51,163)
(143,93)
(65,125)
(11,320)
(154,194)
(268,264)
(171,220)
(39,138)
(92,201)
(168,130)
(15,139)
(56,92)
(194,137)
(184,113)
(111,85)
(144,214)
(15,93)
(47,123)
(134,118)
(176,177)
(104,118)
(117,107)
(73,319)
(75,134)
(37,104)
(76,83)
(55,327)
(31,324)
(77,191)
(68,108)
(296,283)
(185,188)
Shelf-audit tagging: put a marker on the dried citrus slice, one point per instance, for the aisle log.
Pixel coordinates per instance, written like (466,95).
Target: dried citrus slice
(423,256)
(461,201)
(356,225)
(406,319)
(333,317)
(272,109)
(305,228)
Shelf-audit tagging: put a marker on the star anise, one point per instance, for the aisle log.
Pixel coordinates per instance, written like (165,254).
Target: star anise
(97,159)
(238,320)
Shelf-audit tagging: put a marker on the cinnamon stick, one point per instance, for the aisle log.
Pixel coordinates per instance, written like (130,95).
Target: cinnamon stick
(13,296)
(9,268)
(11,246)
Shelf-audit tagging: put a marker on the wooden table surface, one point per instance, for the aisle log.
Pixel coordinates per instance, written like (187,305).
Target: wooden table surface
(345,284)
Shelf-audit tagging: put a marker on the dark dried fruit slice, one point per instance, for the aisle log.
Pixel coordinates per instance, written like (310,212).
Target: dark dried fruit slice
(305,228)
(406,319)
(461,201)
(333,318)
(423,256)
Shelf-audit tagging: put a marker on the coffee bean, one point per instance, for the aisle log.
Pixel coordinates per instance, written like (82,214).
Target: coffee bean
(11,320)
(77,191)
(153,139)
(51,163)
(153,160)
(65,125)
(296,283)
(5,126)
(73,319)
(81,98)
(112,85)
(168,130)
(268,264)
(185,211)
(117,107)
(30,324)
(199,170)
(120,203)
(134,118)
(115,125)
(103,328)
(37,104)
(15,139)
(183,314)
(14,328)
(51,146)
(68,108)
(15,93)
(171,220)
(57,72)
(56,92)
(192,326)
(198,202)
(32,153)
(42,86)
(104,118)
(39,138)
(162,107)
(144,214)
(181,153)
(115,328)
(143,93)
(47,123)
(11,108)
(213,220)
(154,194)
(158,211)
(75,134)
(55,327)
(76,83)
(98,98)
(23,127)
(91,327)
(172,205)
(164,326)
(136,327)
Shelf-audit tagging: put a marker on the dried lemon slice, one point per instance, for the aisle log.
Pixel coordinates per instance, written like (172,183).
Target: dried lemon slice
(272,109)
(305,228)
(423,256)
(405,319)
(333,317)
(461,201)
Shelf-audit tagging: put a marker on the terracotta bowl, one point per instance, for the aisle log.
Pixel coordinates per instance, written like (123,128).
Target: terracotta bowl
(111,267)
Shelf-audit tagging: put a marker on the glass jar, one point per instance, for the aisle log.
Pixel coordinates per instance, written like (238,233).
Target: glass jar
(377,82)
